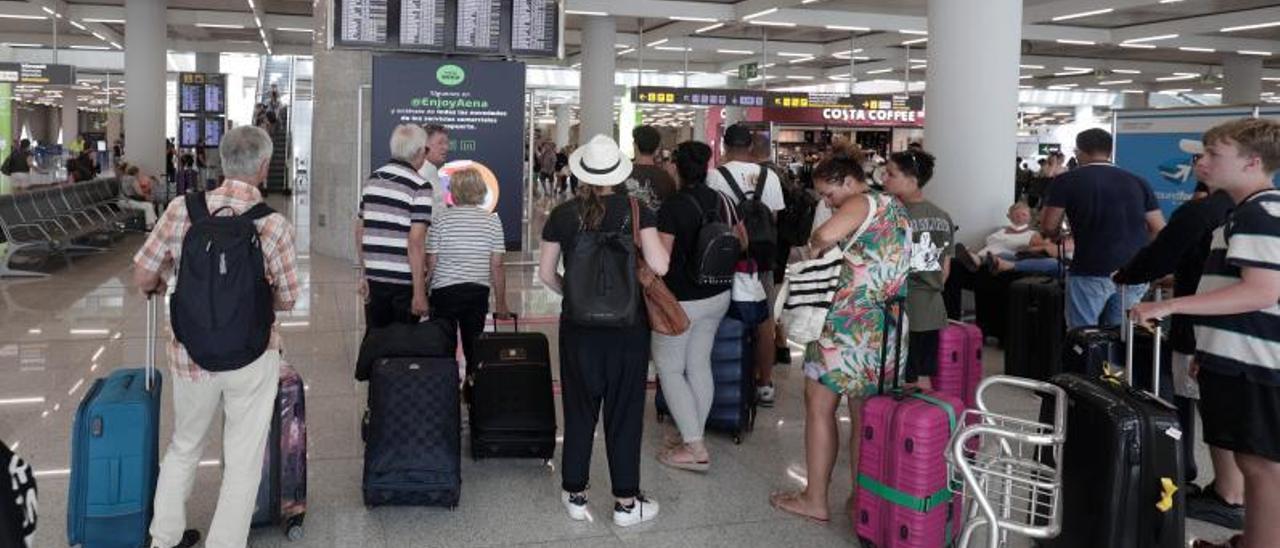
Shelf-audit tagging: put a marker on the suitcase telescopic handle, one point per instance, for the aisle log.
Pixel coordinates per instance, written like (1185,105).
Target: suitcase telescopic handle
(152,313)
(1155,356)
(515,322)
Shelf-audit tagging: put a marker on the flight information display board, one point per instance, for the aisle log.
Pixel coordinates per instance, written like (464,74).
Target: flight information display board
(215,94)
(213,129)
(190,93)
(190,130)
(535,27)
(524,28)
(424,24)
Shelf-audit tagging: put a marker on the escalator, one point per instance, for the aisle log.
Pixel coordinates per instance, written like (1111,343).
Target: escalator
(279,70)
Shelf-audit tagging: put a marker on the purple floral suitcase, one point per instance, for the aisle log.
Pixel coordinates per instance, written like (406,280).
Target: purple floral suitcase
(282,494)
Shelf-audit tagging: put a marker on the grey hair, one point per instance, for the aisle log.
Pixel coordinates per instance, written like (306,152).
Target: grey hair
(243,150)
(407,141)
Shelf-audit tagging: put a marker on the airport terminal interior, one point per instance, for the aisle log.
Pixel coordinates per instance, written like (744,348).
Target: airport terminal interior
(112,109)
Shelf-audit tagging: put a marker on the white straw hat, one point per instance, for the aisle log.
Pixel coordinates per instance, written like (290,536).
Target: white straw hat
(600,162)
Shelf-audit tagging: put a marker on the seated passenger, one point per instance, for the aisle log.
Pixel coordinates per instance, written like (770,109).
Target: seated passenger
(1007,242)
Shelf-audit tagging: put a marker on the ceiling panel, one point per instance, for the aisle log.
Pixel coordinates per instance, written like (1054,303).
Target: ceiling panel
(1156,13)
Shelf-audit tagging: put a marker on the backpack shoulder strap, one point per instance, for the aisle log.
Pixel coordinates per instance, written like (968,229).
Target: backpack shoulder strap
(258,211)
(197,207)
(702,215)
(765,170)
(733,184)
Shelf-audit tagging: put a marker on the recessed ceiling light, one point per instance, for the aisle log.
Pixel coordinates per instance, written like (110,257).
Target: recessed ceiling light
(848,28)
(1251,27)
(709,28)
(772,23)
(916,41)
(96,20)
(90,47)
(672,48)
(1076,42)
(693,19)
(760,13)
(1032,67)
(1136,46)
(1083,14)
(1197,50)
(294,29)
(16,16)
(913,32)
(1126,71)
(1114,82)
(1150,39)
(566,12)
(658,42)
(736,52)
(1254,52)
(218,26)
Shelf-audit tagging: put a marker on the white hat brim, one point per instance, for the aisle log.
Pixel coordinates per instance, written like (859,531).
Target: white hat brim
(614,176)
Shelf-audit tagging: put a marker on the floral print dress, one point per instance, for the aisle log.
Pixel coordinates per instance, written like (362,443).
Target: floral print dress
(846,357)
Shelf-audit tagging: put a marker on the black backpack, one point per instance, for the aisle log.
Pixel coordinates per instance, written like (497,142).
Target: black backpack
(716,251)
(600,284)
(762,233)
(222,308)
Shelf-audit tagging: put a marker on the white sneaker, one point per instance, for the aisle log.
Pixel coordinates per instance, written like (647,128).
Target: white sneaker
(640,511)
(575,504)
(765,395)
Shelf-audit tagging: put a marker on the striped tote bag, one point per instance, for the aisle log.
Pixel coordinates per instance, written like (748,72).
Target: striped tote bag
(805,299)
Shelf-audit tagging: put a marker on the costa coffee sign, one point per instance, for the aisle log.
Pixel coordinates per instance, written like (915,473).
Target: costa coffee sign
(852,117)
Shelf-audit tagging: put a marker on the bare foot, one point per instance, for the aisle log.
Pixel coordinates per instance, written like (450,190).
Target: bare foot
(796,504)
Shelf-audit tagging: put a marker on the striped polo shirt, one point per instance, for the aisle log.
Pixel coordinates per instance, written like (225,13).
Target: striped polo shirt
(394,197)
(463,239)
(1247,343)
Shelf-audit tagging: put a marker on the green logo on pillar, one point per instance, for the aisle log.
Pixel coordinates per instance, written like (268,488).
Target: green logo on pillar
(450,75)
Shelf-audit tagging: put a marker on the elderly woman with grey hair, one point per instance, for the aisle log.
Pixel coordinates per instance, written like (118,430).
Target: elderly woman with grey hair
(464,260)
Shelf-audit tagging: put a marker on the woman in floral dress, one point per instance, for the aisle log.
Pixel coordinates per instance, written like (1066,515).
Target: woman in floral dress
(845,361)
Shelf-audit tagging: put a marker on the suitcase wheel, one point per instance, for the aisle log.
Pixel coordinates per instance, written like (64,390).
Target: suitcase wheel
(293,528)
(737,439)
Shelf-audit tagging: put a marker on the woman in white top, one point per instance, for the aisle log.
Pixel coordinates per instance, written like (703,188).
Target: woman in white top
(1004,246)
(465,247)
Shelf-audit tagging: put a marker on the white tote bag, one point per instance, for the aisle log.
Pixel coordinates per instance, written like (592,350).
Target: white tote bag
(806,296)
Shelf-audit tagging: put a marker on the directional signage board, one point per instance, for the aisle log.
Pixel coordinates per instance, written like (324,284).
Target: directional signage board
(774,99)
(37,73)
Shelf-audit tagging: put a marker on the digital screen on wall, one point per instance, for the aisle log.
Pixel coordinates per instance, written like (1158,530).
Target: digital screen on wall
(535,27)
(190,130)
(213,128)
(523,28)
(190,97)
(215,94)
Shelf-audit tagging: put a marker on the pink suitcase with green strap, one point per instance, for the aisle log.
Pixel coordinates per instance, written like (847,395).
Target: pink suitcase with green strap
(903,499)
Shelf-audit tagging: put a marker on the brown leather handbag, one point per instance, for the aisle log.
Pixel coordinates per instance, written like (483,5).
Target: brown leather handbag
(666,316)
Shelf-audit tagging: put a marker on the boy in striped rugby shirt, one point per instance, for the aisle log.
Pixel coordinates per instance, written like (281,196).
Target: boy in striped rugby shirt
(1238,320)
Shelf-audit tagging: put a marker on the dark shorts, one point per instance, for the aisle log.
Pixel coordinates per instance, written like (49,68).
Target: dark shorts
(1239,414)
(922,355)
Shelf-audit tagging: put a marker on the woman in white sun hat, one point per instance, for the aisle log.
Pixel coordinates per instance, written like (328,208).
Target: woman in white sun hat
(604,334)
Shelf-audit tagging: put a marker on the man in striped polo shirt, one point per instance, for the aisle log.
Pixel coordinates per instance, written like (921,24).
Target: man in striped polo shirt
(391,235)
(1238,321)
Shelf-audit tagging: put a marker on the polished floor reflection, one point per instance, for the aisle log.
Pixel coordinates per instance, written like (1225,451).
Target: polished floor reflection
(58,334)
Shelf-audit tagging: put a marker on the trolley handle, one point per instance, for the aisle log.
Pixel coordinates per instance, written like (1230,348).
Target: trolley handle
(515,322)
(1039,387)
(152,320)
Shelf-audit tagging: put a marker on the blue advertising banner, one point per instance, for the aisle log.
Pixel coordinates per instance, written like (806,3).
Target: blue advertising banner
(482,105)
(1160,146)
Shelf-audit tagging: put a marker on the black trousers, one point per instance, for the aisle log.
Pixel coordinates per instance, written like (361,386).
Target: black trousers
(1187,420)
(468,306)
(388,304)
(606,367)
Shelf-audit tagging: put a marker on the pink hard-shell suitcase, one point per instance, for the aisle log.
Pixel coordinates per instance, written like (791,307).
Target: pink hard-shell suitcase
(959,362)
(903,500)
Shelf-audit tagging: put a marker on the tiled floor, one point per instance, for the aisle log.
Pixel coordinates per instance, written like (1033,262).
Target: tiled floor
(58,334)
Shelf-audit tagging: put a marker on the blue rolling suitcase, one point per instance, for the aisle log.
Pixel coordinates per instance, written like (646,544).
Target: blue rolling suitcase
(733,408)
(114,455)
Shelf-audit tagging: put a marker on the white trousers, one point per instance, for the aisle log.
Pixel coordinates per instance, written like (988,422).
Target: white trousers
(247,397)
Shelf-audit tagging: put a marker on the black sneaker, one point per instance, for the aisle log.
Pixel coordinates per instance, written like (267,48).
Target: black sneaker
(190,537)
(782,355)
(1208,505)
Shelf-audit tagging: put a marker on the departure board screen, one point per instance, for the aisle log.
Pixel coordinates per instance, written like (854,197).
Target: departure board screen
(479,25)
(362,21)
(535,27)
(215,94)
(423,24)
(213,131)
(190,97)
(190,130)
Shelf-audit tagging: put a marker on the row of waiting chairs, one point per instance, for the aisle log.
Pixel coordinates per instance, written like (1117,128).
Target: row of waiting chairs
(83,217)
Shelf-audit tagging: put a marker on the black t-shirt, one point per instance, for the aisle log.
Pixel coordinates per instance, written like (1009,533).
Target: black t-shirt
(680,218)
(656,183)
(17,500)
(1107,208)
(565,221)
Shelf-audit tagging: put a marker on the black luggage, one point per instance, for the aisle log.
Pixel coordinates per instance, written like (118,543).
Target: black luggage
(1036,328)
(412,433)
(733,407)
(1122,465)
(512,402)
(1090,351)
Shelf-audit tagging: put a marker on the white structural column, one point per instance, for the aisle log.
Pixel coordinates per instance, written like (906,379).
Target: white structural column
(1242,80)
(209,62)
(70,115)
(974,51)
(564,121)
(700,125)
(599,34)
(144,72)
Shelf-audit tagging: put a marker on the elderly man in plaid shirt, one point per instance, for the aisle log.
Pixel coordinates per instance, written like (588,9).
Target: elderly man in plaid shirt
(247,394)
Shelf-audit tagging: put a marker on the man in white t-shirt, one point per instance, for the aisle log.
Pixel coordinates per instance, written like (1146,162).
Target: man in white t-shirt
(437,155)
(750,177)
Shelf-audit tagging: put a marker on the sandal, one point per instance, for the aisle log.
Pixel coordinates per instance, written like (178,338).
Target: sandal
(671,440)
(784,501)
(681,457)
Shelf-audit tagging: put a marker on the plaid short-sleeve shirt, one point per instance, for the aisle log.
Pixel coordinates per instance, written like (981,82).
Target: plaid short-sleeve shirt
(163,250)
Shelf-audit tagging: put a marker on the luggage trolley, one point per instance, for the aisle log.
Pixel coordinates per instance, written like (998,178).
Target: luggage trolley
(1015,483)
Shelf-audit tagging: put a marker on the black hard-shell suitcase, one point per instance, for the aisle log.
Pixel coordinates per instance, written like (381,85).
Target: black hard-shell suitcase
(513,410)
(1089,351)
(1036,328)
(733,407)
(1122,465)
(412,434)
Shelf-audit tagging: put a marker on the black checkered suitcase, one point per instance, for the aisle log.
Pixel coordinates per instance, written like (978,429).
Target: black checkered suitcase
(413,433)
